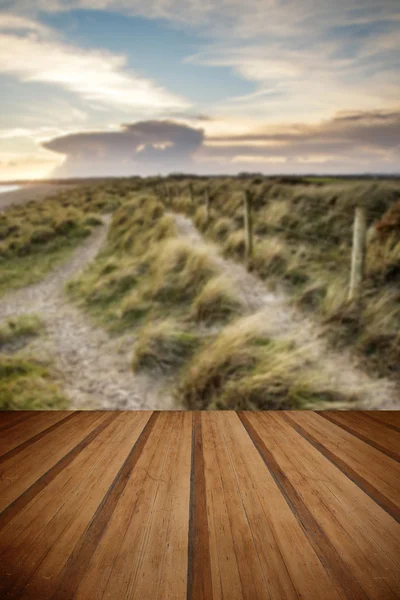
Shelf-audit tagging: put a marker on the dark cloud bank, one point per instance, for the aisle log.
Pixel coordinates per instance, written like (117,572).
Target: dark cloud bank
(356,142)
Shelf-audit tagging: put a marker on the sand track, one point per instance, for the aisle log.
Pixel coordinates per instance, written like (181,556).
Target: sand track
(280,320)
(94,368)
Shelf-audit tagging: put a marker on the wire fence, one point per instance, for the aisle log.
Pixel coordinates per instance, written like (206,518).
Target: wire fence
(357,219)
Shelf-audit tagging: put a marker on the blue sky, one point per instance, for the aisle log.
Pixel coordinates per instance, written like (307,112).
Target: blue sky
(260,86)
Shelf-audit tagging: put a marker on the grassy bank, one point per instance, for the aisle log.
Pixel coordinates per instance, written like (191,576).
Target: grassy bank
(36,236)
(189,321)
(303,235)
(25,382)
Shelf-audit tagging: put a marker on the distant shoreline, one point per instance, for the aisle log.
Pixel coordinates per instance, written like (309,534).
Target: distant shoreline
(4,189)
(22,194)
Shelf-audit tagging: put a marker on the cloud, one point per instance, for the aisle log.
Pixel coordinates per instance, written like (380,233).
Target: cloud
(32,53)
(367,141)
(347,143)
(143,148)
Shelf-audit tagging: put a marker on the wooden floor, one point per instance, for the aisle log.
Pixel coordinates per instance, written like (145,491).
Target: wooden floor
(216,505)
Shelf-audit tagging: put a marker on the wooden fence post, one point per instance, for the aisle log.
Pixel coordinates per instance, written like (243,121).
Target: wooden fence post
(248,225)
(208,202)
(358,252)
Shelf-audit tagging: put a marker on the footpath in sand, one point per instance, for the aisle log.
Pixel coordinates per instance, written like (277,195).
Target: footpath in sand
(94,368)
(278,319)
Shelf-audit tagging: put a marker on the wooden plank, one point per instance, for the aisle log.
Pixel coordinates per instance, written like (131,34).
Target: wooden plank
(390,418)
(384,440)
(35,516)
(27,434)
(199,562)
(78,562)
(355,538)
(28,536)
(218,505)
(275,529)
(11,418)
(8,418)
(115,563)
(376,474)
(162,568)
(37,478)
(235,565)
(59,542)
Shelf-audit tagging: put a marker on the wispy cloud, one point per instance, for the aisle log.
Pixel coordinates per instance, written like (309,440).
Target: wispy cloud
(36,55)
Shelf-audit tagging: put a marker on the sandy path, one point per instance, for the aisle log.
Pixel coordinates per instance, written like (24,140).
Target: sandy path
(94,368)
(280,320)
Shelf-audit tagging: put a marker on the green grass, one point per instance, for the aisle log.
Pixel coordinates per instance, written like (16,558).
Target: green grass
(163,347)
(26,384)
(189,318)
(303,237)
(17,272)
(37,236)
(16,331)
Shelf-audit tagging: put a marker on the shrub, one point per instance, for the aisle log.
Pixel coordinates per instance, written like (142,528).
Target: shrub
(217,302)
(163,346)
(26,384)
(16,331)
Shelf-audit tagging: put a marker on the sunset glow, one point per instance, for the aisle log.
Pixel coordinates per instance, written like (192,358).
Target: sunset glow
(268,85)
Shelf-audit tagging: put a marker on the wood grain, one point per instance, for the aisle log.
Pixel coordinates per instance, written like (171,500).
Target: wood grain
(341,510)
(198,506)
(377,475)
(361,426)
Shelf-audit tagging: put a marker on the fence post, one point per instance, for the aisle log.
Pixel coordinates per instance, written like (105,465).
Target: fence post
(358,252)
(248,225)
(208,202)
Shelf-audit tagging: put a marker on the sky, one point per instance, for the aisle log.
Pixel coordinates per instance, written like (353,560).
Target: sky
(126,87)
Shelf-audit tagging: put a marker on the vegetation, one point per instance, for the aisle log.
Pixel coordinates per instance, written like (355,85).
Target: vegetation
(16,332)
(243,368)
(163,346)
(26,384)
(190,320)
(34,237)
(303,236)
(191,323)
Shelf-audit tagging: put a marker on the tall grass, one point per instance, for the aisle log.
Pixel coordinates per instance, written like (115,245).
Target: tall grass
(303,237)
(189,320)
(34,237)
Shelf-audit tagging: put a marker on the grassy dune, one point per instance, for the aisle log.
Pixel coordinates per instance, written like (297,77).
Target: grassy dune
(25,382)
(190,322)
(303,236)
(36,236)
